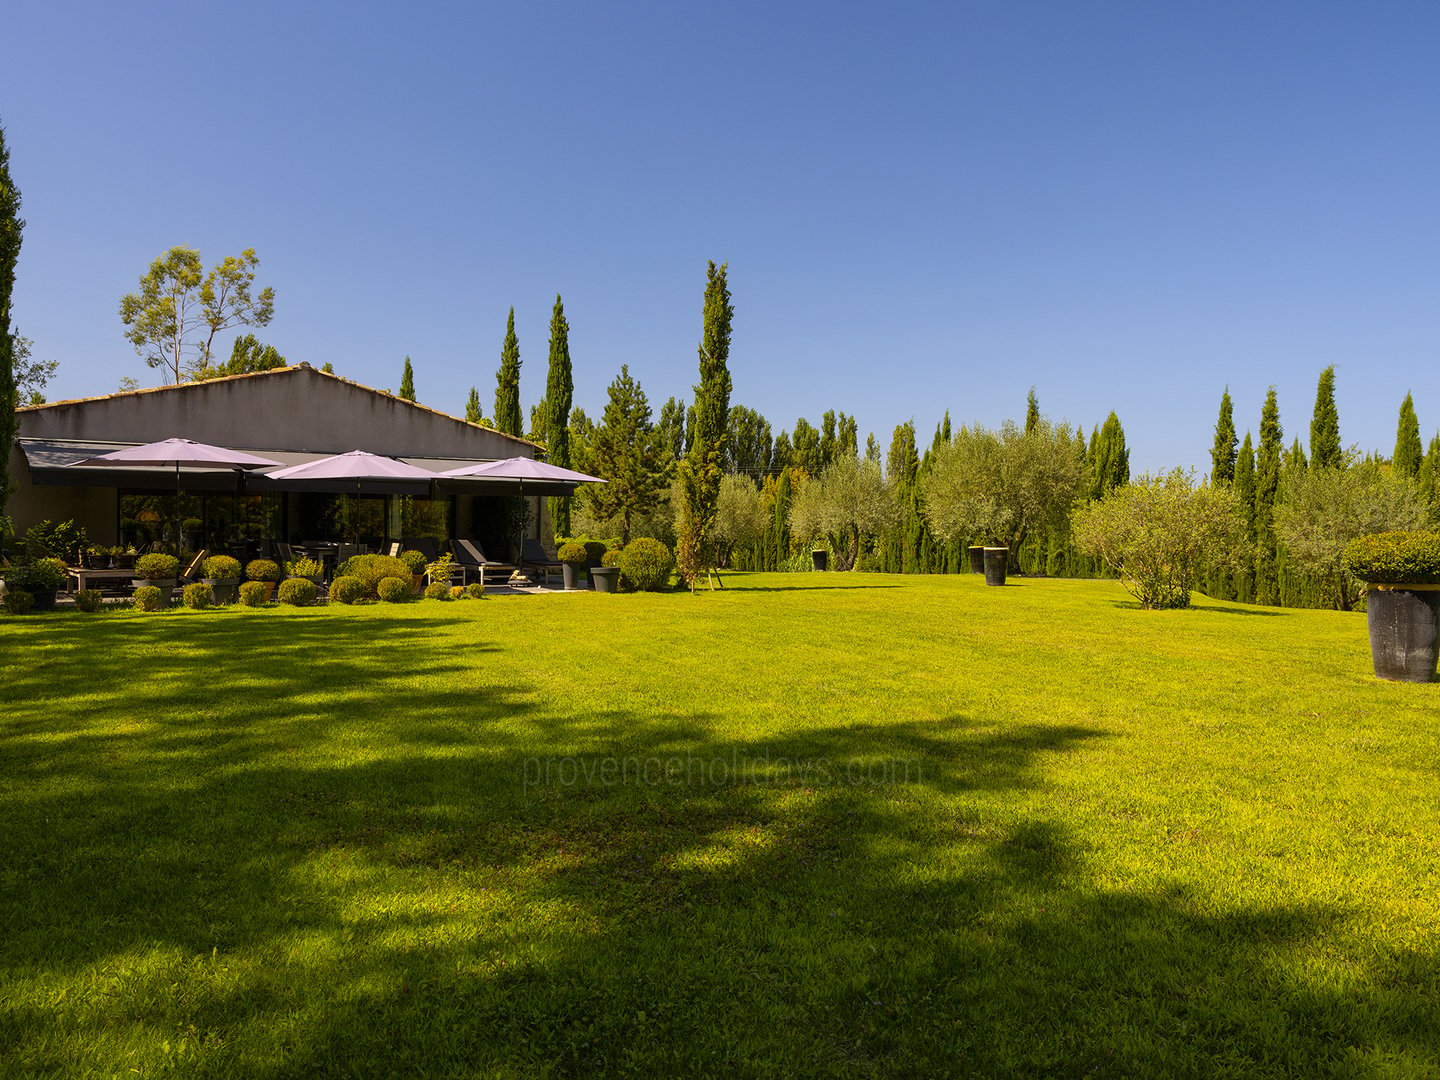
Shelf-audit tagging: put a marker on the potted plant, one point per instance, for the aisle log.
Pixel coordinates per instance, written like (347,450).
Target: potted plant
(977,558)
(1402,602)
(312,570)
(97,558)
(41,578)
(995,560)
(572,558)
(417,562)
(606,576)
(158,570)
(265,571)
(123,557)
(819,558)
(222,574)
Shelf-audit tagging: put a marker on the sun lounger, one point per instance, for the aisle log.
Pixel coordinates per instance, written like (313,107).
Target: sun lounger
(533,556)
(470,555)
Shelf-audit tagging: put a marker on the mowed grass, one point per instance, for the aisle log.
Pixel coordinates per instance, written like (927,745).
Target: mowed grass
(838,824)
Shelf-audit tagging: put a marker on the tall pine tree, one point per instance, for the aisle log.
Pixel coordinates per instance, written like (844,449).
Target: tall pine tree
(10,229)
(628,453)
(559,392)
(407,381)
(1408,450)
(1222,453)
(507,383)
(472,407)
(701,470)
(1267,486)
(1325,450)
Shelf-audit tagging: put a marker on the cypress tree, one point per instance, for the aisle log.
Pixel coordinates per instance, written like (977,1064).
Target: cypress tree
(1408,452)
(1429,475)
(559,392)
(1325,425)
(1111,459)
(1245,493)
(827,439)
(1032,411)
(407,382)
(507,382)
(700,472)
(10,229)
(779,539)
(1222,454)
(472,407)
(1267,485)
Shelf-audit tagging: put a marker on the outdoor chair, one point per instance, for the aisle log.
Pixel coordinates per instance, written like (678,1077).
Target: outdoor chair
(422,544)
(195,568)
(470,555)
(533,556)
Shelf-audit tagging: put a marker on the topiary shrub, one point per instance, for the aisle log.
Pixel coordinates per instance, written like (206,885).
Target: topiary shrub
(89,600)
(157,567)
(415,560)
(347,589)
(1395,558)
(297,591)
(572,553)
(19,602)
(475,591)
(393,590)
(373,569)
(645,565)
(198,596)
(304,567)
(148,598)
(222,568)
(262,570)
(437,590)
(457,592)
(595,551)
(252,593)
(611,558)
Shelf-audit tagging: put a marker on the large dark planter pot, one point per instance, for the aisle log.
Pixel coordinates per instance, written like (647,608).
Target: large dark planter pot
(571,573)
(606,578)
(166,587)
(124,562)
(977,559)
(995,560)
(225,589)
(1404,632)
(820,559)
(44,599)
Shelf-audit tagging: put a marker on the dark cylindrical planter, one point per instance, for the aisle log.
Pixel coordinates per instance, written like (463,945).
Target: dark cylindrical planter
(820,559)
(1404,632)
(165,585)
(977,560)
(225,589)
(44,599)
(571,572)
(606,578)
(995,560)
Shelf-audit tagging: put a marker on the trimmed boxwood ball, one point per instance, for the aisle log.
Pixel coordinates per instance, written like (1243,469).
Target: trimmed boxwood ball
(298,591)
(595,550)
(147,598)
(157,566)
(222,568)
(475,591)
(572,553)
(262,570)
(393,590)
(611,558)
(370,570)
(1395,558)
(437,590)
(457,592)
(415,560)
(198,596)
(89,600)
(645,565)
(347,589)
(252,593)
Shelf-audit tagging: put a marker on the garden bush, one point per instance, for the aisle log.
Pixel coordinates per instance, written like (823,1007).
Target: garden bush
(252,593)
(415,560)
(475,591)
(437,590)
(1395,558)
(198,596)
(370,570)
(157,566)
(297,591)
(19,601)
(393,590)
(611,558)
(42,575)
(89,600)
(346,589)
(148,598)
(645,565)
(595,550)
(262,570)
(573,553)
(222,568)
(457,592)
(304,567)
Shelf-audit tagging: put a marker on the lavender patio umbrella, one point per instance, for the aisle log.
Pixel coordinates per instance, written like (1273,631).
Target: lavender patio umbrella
(357,465)
(523,468)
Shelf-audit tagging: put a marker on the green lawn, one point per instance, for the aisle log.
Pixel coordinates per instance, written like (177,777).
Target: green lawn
(833,824)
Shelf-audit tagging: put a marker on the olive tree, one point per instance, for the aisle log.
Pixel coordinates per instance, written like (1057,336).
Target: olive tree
(850,499)
(1321,510)
(739,519)
(1003,486)
(1160,533)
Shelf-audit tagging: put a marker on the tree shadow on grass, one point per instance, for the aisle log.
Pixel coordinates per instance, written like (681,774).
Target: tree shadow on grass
(1135,605)
(382,878)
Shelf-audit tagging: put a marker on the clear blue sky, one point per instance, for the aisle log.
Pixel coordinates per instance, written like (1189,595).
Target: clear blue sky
(1130,206)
